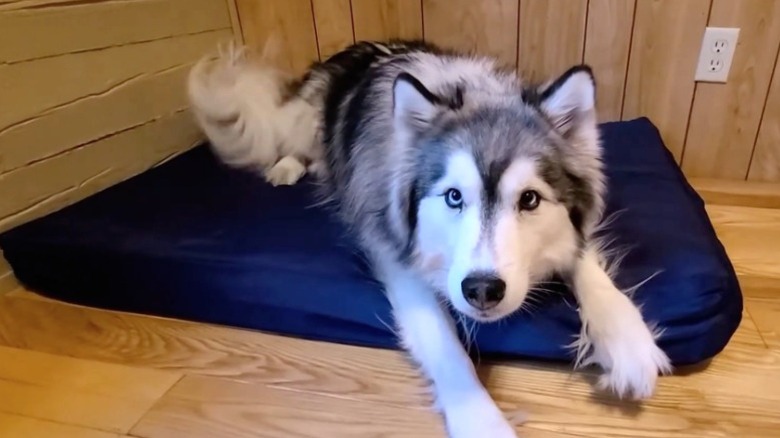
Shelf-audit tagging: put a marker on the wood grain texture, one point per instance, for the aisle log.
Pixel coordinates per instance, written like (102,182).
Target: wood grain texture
(83,76)
(725,117)
(384,19)
(607,45)
(83,171)
(30,33)
(210,407)
(698,402)
(485,27)
(765,164)
(552,33)
(77,392)
(737,193)
(35,88)
(17,426)
(290,22)
(130,104)
(664,51)
(764,312)
(369,375)
(333,21)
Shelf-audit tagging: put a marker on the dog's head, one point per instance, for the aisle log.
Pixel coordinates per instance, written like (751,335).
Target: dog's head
(505,190)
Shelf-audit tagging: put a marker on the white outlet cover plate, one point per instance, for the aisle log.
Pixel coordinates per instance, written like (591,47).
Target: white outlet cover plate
(717,52)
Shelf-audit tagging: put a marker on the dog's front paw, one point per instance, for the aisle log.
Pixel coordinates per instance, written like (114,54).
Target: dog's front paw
(630,358)
(286,172)
(478,418)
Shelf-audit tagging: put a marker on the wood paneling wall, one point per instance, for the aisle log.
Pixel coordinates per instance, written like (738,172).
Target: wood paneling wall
(92,93)
(644,53)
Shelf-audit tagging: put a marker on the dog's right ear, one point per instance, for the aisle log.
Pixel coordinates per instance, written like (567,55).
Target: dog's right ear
(569,102)
(414,107)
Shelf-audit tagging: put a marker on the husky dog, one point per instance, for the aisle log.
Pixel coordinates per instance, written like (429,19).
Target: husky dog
(465,187)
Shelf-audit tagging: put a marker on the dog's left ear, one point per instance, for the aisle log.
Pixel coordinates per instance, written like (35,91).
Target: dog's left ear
(570,101)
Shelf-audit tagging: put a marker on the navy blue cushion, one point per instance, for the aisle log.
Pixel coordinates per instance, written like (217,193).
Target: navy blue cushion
(195,240)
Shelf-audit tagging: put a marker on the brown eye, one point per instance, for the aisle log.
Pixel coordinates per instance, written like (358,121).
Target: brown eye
(529,200)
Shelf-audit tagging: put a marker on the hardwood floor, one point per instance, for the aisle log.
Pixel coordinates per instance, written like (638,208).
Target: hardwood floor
(69,371)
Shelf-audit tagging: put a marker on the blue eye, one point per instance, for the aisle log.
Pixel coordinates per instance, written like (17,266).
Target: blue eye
(453,198)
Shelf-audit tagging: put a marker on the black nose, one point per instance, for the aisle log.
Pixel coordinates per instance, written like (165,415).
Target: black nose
(483,291)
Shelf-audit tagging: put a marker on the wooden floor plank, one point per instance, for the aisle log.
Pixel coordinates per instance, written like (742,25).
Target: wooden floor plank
(78,392)
(206,407)
(766,314)
(369,374)
(543,390)
(15,426)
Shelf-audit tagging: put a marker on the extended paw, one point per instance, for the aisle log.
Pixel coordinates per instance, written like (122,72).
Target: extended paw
(287,171)
(478,418)
(631,360)
(635,370)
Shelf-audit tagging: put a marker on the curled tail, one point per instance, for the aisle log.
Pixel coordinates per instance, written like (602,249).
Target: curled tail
(244,108)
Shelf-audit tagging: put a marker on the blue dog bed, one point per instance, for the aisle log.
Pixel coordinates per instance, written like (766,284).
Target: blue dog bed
(192,239)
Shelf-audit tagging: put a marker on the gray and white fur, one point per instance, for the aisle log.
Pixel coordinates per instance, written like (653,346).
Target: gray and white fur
(465,186)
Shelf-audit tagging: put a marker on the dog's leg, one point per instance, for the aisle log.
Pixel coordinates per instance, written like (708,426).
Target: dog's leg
(613,329)
(429,334)
(286,172)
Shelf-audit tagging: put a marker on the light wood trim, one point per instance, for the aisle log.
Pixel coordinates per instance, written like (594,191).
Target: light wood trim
(333,21)
(725,117)
(607,46)
(480,27)
(58,29)
(552,33)
(664,52)
(384,19)
(765,164)
(738,193)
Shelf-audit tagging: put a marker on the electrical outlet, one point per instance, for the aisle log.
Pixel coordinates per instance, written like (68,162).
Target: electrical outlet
(716,54)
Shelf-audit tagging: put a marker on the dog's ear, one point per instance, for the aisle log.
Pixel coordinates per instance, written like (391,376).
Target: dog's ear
(569,102)
(414,107)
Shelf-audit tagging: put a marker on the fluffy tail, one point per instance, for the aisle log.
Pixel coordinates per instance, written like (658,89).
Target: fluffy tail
(241,105)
